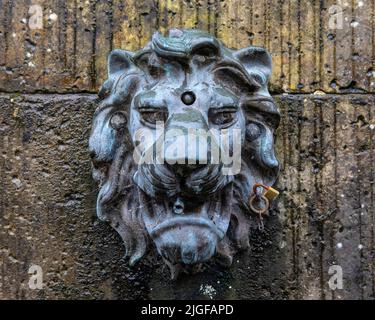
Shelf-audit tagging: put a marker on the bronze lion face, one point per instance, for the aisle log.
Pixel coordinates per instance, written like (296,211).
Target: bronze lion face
(184,129)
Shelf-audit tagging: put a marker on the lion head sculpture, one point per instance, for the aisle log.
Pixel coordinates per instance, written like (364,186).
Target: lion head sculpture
(156,187)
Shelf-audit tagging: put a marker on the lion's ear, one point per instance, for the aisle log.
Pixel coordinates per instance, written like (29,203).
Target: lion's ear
(119,61)
(257,62)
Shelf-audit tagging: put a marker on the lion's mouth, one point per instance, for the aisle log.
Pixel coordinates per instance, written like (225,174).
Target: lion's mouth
(158,181)
(186,221)
(191,236)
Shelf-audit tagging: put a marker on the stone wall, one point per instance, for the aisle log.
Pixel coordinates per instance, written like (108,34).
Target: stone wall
(323,81)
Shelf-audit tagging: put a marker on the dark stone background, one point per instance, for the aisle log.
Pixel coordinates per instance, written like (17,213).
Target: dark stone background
(323,80)
(47,209)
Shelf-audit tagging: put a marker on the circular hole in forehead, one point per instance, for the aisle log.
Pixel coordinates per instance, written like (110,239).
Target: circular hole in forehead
(188,98)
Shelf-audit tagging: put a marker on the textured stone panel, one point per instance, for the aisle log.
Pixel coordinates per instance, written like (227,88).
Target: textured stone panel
(325,214)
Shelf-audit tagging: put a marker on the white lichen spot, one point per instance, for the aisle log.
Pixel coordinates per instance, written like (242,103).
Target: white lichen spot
(52,17)
(17,182)
(207,290)
(282,244)
(12,259)
(372,126)
(319,93)
(360,246)
(339,245)
(45,174)
(360,4)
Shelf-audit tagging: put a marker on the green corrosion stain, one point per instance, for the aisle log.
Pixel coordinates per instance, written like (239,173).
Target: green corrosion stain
(148,94)
(168,70)
(222,92)
(188,116)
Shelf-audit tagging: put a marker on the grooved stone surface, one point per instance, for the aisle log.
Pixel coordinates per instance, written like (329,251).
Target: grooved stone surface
(315,45)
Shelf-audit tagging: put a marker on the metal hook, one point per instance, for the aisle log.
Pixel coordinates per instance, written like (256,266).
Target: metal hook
(263,210)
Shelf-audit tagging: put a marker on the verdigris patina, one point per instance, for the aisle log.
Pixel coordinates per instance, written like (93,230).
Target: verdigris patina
(183,132)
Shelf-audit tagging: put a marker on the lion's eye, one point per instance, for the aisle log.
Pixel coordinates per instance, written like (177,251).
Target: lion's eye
(222,117)
(152,116)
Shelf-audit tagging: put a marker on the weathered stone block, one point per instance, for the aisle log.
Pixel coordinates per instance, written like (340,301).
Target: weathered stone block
(324,216)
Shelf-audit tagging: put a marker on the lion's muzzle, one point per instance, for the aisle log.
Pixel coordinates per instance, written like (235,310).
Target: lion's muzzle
(185,160)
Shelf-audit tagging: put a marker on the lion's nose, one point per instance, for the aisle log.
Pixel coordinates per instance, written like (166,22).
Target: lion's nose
(187,143)
(182,152)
